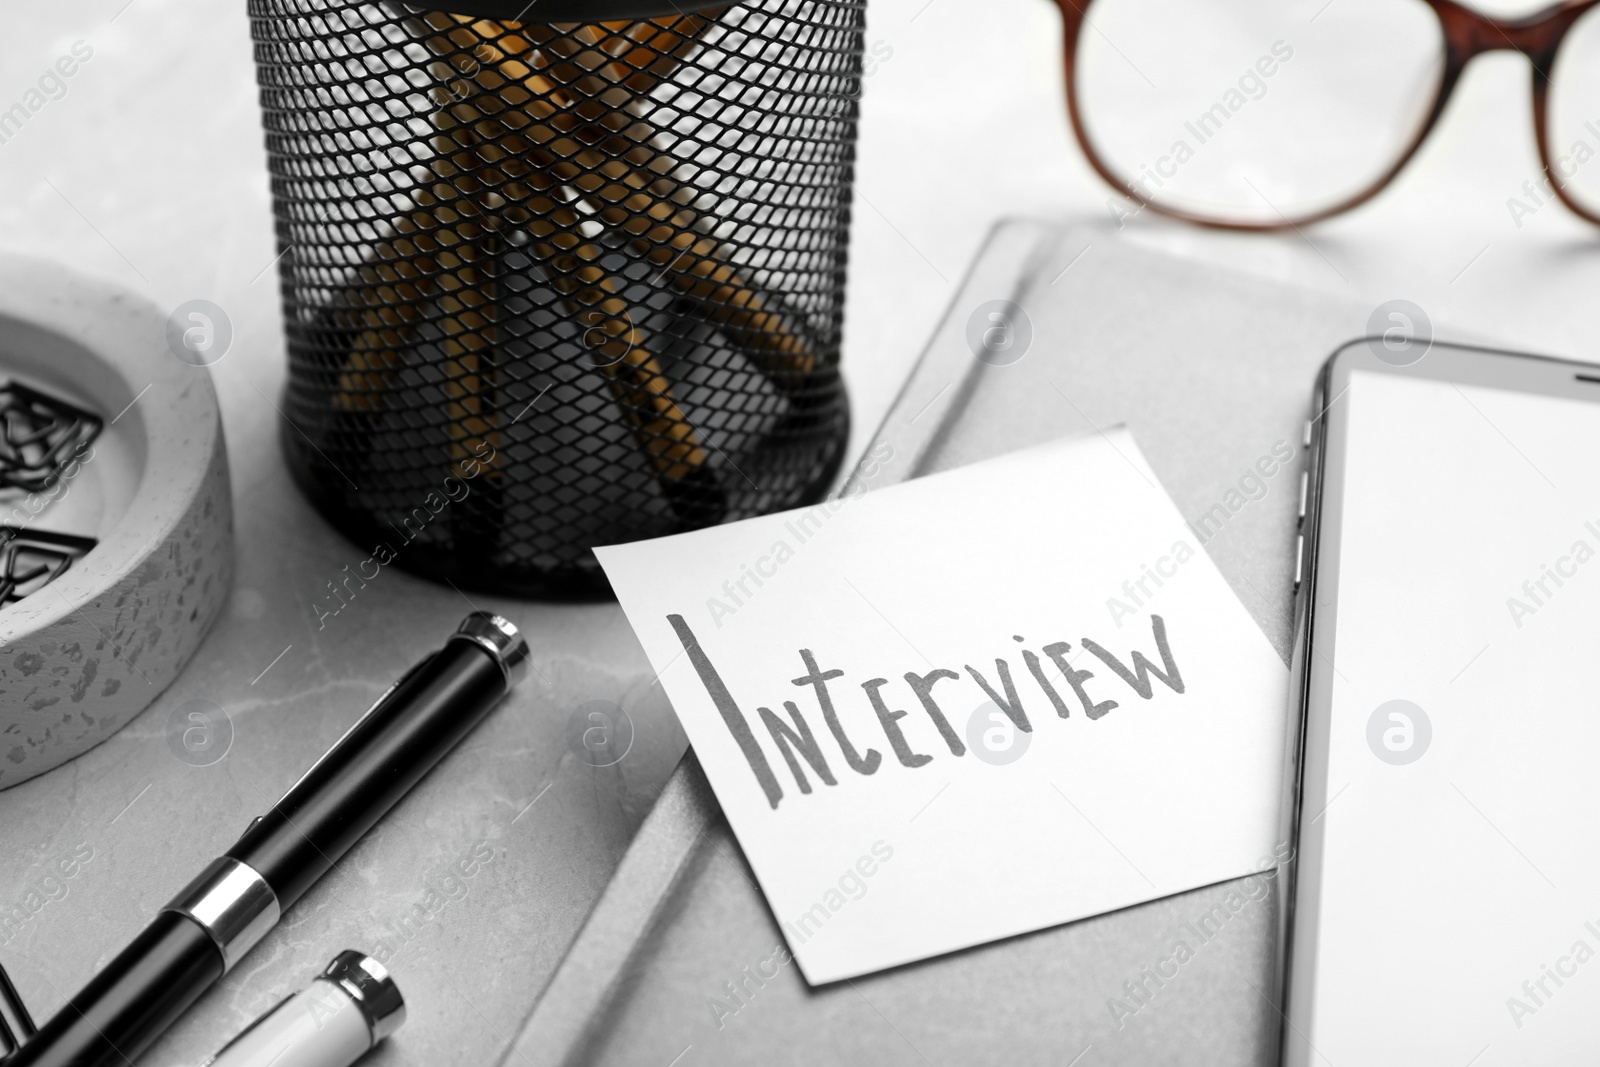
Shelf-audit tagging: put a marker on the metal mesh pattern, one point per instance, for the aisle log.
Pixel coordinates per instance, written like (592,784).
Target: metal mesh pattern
(549,286)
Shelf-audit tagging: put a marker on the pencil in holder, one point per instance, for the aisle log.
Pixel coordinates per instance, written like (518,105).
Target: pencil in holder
(554,284)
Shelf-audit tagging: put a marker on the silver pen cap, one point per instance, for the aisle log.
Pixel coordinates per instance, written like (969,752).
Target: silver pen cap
(502,640)
(369,985)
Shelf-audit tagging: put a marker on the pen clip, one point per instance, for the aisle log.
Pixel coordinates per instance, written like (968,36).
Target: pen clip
(376,704)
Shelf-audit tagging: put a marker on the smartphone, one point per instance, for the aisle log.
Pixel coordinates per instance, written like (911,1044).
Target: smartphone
(1444,795)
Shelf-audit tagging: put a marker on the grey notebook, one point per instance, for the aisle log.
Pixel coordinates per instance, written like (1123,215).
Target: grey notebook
(679,962)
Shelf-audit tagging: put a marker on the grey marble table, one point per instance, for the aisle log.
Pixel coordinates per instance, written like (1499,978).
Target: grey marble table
(541,829)
(150,171)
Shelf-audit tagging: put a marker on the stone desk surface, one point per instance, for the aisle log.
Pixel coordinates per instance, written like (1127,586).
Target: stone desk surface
(149,171)
(469,943)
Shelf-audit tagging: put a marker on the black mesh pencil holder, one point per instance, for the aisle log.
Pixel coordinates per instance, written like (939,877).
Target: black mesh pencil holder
(549,284)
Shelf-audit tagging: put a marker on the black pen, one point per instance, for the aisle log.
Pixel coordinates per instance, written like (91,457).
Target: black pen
(222,914)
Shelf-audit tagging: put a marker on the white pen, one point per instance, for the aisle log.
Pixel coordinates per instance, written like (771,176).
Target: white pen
(333,1022)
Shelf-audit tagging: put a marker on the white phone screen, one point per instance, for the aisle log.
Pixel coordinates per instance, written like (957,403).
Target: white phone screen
(1450,842)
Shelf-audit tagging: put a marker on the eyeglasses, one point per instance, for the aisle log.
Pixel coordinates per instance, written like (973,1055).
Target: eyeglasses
(1271,114)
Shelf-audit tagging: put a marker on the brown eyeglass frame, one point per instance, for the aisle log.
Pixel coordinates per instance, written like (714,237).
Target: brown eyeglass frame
(1467,35)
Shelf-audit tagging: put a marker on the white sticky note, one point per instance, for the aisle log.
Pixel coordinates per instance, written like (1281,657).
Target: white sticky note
(1091,718)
